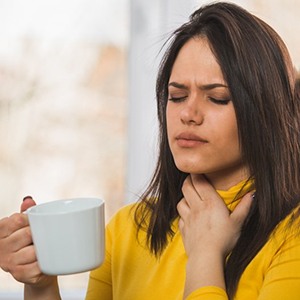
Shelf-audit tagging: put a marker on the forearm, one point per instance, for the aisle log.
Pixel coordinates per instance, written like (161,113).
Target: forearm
(48,292)
(204,269)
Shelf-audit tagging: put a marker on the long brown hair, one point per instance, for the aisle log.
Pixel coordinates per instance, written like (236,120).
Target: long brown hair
(257,68)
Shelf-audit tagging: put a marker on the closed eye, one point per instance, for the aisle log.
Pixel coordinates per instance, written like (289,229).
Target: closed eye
(177,99)
(219,101)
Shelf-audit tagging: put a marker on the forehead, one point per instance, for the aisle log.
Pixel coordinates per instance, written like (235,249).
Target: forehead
(196,61)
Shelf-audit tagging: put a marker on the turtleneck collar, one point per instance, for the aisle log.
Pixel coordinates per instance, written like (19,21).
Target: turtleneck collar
(232,196)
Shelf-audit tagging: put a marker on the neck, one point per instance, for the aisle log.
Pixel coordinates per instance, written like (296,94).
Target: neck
(225,180)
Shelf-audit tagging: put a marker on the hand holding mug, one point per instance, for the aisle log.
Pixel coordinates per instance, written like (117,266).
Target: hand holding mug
(17,253)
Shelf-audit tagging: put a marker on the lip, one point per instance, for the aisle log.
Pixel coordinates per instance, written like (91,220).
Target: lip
(189,140)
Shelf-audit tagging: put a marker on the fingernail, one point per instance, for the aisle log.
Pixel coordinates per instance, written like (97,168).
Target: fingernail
(27,197)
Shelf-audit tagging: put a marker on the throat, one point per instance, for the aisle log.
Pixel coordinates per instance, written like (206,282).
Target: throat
(228,178)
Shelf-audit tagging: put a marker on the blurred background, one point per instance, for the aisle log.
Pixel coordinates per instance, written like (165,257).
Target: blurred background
(77,99)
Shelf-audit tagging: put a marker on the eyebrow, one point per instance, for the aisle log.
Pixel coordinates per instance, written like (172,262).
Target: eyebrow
(204,87)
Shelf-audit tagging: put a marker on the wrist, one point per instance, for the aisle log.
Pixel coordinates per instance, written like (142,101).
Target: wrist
(210,260)
(207,254)
(48,290)
(204,269)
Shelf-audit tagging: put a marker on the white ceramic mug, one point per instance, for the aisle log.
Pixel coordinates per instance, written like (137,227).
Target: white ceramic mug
(68,235)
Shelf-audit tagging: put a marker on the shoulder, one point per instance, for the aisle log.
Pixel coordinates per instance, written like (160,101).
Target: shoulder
(288,230)
(123,232)
(121,226)
(291,222)
(124,215)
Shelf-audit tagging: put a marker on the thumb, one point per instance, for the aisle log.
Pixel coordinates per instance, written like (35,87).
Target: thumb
(240,213)
(27,202)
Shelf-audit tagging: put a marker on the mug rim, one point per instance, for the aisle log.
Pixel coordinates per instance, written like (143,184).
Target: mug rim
(98,202)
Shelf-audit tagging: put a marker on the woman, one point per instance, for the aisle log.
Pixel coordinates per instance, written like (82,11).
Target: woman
(220,217)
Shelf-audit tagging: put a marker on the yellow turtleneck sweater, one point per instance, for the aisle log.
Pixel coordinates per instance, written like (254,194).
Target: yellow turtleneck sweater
(131,272)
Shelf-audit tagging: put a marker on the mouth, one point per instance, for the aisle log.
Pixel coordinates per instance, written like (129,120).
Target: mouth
(189,140)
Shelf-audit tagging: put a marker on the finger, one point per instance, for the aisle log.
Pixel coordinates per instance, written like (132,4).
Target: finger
(183,208)
(29,273)
(181,225)
(202,186)
(206,191)
(3,227)
(192,197)
(12,224)
(25,256)
(27,202)
(241,212)
(19,239)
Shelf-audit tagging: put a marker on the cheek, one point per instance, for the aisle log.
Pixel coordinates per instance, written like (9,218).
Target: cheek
(234,129)
(228,131)
(232,137)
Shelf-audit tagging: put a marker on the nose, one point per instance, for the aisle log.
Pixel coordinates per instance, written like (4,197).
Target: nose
(191,112)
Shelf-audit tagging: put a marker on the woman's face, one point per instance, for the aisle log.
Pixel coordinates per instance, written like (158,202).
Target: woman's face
(201,122)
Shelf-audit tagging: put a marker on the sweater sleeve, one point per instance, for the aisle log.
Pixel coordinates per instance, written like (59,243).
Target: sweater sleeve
(100,284)
(100,281)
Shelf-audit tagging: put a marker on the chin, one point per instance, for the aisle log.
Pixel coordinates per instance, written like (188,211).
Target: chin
(189,168)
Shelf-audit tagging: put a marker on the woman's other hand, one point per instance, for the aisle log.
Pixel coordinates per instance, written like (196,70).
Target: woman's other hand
(209,231)
(205,221)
